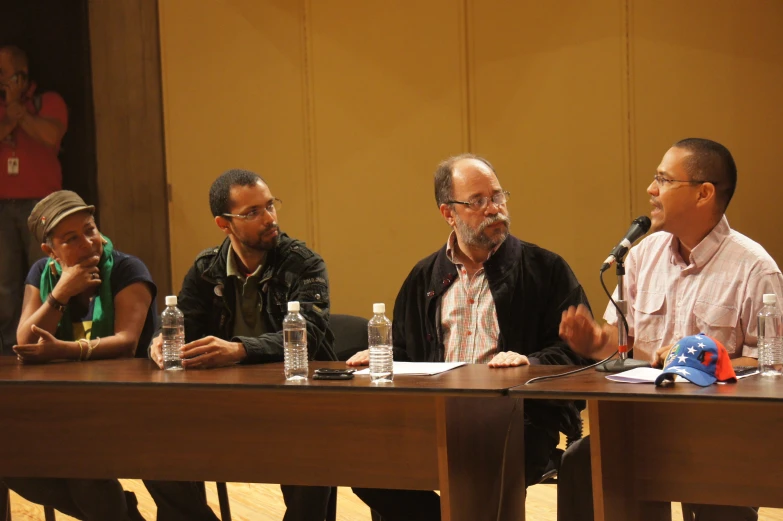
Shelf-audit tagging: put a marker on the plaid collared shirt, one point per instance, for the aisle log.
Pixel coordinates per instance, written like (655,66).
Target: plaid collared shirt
(718,291)
(468,318)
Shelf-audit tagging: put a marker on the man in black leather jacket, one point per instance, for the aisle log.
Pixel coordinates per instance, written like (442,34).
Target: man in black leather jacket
(484,297)
(292,272)
(234,299)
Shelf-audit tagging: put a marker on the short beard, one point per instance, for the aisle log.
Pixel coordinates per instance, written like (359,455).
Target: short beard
(263,246)
(476,238)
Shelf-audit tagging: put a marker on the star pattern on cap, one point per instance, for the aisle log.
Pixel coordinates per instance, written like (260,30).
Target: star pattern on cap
(679,357)
(702,360)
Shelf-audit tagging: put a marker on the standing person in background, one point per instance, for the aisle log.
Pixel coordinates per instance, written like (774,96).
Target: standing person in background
(31,128)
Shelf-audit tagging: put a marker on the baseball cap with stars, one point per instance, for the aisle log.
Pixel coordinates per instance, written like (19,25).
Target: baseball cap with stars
(700,359)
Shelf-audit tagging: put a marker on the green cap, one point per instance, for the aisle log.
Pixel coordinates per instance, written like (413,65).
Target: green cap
(52,209)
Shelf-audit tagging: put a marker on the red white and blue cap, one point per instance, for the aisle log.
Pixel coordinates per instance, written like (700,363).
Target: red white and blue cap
(700,359)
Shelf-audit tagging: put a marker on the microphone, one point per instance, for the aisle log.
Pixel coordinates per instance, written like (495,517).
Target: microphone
(639,227)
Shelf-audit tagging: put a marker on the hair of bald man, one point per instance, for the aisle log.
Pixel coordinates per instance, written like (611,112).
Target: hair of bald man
(444,175)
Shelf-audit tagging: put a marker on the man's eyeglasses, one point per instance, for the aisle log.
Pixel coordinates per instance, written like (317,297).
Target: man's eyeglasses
(273,206)
(664,181)
(481,203)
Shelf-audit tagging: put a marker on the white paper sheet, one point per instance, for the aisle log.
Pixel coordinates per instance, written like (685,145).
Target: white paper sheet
(647,375)
(419,368)
(640,375)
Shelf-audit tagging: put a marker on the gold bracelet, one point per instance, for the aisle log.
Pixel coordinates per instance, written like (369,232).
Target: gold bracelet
(81,349)
(90,347)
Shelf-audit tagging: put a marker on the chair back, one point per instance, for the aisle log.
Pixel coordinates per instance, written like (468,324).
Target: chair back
(350,335)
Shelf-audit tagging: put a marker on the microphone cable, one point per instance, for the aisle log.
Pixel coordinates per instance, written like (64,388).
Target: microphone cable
(585,368)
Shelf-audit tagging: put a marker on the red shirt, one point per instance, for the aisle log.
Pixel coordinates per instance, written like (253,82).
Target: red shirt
(39,169)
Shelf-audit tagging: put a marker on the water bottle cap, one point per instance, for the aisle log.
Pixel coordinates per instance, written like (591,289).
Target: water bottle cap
(379,308)
(171,300)
(293,307)
(770,298)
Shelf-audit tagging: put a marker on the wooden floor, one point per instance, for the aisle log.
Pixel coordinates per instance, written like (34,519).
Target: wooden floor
(265,503)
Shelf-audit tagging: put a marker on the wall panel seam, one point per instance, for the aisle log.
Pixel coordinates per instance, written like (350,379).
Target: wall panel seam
(311,160)
(163,181)
(467,73)
(630,174)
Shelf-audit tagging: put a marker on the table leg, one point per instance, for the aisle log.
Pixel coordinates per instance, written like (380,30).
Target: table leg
(475,437)
(5,503)
(613,444)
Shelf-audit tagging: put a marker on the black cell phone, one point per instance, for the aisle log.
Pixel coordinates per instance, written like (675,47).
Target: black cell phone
(742,370)
(332,374)
(324,376)
(326,370)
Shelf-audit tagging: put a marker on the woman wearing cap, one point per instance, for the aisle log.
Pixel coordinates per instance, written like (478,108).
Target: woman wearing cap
(85,301)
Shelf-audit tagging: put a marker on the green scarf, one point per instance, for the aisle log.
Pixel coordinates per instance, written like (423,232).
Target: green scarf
(103,306)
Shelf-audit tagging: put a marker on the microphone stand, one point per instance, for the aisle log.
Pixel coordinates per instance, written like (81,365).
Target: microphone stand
(623,363)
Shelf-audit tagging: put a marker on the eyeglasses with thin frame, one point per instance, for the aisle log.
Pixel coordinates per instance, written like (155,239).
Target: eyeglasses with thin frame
(481,203)
(662,181)
(273,206)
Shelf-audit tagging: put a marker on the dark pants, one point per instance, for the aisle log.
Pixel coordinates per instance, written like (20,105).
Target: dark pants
(575,494)
(424,505)
(187,501)
(85,499)
(18,252)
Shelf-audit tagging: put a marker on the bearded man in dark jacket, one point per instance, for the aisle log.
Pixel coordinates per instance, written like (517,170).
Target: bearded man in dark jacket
(484,297)
(234,299)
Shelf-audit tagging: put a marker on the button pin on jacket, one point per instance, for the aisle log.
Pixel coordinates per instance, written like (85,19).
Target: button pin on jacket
(219,290)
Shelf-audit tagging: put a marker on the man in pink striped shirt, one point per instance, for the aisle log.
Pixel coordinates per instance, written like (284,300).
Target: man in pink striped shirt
(693,275)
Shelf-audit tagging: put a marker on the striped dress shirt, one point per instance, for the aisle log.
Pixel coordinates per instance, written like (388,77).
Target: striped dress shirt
(468,318)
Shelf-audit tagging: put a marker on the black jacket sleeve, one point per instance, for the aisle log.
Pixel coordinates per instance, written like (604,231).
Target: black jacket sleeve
(193,304)
(564,291)
(399,340)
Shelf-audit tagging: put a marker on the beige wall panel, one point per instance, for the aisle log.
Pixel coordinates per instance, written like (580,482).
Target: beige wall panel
(233,98)
(547,89)
(713,69)
(387,109)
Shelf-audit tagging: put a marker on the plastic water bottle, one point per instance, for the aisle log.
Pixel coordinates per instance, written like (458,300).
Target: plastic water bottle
(770,339)
(379,331)
(295,344)
(173,332)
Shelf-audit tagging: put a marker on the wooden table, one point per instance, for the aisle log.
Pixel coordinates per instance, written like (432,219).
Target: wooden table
(714,445)
(127,419)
